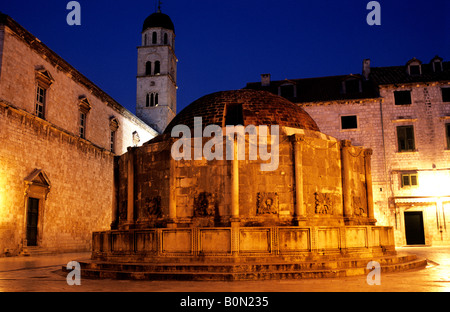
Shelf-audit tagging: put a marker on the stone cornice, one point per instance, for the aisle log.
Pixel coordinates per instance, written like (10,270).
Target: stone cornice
(49,126)
(58,62)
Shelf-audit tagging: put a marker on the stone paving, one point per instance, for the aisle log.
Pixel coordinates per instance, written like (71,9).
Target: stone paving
(42,274)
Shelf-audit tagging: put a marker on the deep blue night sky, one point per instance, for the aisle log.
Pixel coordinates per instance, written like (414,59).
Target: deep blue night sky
(222,45)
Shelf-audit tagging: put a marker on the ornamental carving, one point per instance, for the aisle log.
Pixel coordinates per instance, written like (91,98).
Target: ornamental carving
(123,210)
(204,205)
(153,206)
(267,203)
(358,207)
(323,203)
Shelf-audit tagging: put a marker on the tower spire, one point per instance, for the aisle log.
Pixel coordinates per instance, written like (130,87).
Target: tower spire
(159,7)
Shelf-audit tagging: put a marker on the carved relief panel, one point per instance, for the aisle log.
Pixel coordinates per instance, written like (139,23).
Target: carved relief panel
(267,203)
(323,203)
(204,205)
(358,207)
(123,210)
(152,207)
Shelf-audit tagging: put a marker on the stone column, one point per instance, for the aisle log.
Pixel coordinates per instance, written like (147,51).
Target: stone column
(235,183)
(299,208)
(115,218)
(346,179)
(172,193)
(369,190)
(130,188)
(440,224)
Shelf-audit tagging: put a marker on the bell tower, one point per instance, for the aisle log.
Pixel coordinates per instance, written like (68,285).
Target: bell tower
(156,97)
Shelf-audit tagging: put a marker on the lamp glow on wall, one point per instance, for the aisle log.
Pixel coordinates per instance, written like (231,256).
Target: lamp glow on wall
(2,194)
(434,183)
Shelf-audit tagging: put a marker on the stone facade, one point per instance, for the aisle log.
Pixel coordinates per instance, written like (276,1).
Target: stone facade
(64,163)
(241,245)
(377,128)
(203,189)
(317,203)
(80,180)
(377,118)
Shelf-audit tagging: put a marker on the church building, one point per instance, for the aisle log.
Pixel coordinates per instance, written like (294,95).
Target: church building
(157,72)
(60,135)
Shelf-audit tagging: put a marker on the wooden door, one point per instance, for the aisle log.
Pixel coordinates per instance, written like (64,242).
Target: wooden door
(32,221)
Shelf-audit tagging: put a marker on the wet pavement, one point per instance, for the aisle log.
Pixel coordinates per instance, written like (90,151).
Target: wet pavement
(42,274)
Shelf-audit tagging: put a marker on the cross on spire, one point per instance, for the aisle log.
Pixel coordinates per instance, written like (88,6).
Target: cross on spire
(159,6)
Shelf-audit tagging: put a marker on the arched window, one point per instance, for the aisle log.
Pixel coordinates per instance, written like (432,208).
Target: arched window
(151,100)
(437,64)
(145,39)
(288,90)
(351,84)
(157,67)
(154,37)
(148,68)
(165,39)
(414,67)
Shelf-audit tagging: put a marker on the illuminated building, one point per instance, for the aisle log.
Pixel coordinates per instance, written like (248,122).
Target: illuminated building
(403,114)
(59,134)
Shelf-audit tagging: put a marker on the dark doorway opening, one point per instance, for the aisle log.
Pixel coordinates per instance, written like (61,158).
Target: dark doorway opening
(32,221)
(414,228)
(234,115)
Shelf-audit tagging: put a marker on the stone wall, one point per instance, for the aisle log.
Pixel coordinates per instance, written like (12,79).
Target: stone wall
(242,244)
(81,177)
(80,169)
(377,129)
(203,189)
(20,62)
(368,134)
(430,160)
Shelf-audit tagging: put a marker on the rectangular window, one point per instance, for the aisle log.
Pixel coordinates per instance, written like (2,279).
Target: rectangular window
(437,67)
(414,70)
(234,114)
(287,91)
(352,86)
(405,136)
(447,135)
(445,94)
(82,125)
(409,179)
(349,122)
(40,102)
(402,97)
(113,141)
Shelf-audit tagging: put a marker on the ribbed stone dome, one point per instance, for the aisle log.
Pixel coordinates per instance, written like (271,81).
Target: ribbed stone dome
(158,19)
(244,107)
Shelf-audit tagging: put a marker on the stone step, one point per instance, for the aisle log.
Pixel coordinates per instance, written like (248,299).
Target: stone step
(39,251)
(243,267)
(249,271)
(246,275)
(205,276)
